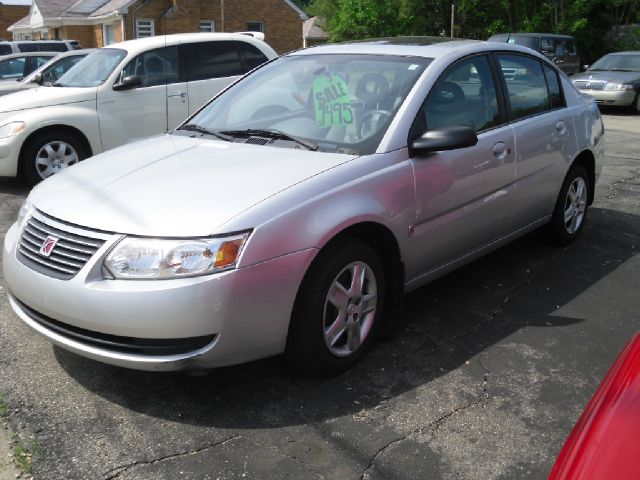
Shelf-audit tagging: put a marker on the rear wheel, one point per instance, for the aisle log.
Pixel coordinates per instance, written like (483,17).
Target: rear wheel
(50,153)
(570,212)
(337,310)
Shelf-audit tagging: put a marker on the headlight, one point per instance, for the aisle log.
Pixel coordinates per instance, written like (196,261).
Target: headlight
(25,212)
(148,258)
(10,129)
(618,87)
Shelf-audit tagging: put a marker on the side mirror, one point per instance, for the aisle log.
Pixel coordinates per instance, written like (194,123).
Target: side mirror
(128,82)
(445,138)
(37,78)
(586,67)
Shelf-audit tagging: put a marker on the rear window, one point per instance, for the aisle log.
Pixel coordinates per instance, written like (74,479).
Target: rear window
(212,60)
(5,49)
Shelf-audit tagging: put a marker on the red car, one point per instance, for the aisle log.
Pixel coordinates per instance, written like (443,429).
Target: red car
(605,443)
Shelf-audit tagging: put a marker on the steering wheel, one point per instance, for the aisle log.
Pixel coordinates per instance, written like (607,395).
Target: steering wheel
(371,121)
(372,88)
(448,92)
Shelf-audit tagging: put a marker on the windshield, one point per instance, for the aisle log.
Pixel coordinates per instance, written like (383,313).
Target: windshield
(53,70)
(332,103)
(630,63)
(92,70)
(529,42)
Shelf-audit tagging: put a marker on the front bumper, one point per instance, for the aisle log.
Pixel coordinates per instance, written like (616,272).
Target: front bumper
(612,97)
(244,312)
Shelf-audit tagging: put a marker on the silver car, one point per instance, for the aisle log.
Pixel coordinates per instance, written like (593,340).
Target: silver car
(613,80)
(296,208)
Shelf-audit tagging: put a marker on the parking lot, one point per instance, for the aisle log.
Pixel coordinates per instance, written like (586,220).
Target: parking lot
(484,376)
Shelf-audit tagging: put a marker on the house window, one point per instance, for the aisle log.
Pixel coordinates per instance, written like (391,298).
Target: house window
(145,28)
(44,35)
(108,34)
(255,26)
(207,26)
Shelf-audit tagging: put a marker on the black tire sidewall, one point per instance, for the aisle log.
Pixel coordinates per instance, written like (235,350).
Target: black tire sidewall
(28,158)
(557,227)
(306,346)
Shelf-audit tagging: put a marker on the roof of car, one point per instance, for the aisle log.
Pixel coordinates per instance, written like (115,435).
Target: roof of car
(141,44)
(534,34)
(29,54)
(428,47)
(628,52)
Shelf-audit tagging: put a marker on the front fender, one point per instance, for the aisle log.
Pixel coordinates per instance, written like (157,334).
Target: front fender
(378,189)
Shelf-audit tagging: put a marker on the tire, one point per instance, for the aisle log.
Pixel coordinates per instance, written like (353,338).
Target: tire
(320,341)
(50,153)
(635,106)
(570,212)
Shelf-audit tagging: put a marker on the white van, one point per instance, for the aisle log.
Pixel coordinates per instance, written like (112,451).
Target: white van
(117,94)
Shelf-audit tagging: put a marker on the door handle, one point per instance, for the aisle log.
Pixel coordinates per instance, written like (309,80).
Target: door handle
(561,127)
(177,94)
(501,150)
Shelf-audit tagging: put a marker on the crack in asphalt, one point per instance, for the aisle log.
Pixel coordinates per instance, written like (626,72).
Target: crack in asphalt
(286,455)
(612,186)
(436,423)
(119,470)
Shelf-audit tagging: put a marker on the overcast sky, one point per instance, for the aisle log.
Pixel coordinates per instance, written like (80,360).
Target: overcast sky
(16,2)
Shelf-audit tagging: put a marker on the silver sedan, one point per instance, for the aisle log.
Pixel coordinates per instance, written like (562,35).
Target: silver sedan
(613,80)
(298,206)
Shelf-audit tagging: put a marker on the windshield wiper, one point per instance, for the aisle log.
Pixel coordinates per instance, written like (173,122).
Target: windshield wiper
(272,133)
(192,127)
(58,84)
(620,70)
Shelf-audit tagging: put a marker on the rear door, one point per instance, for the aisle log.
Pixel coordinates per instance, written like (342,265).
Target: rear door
(544,135)
(209,67)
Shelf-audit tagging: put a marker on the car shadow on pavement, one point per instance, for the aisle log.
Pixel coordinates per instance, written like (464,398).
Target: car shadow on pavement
(442,327)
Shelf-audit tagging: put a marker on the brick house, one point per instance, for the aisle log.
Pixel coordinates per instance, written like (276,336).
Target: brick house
(10,14)
(96,23)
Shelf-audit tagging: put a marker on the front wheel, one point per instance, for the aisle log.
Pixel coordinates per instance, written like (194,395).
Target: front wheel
(50,153)
(570,212)
(635,106)
(338,308)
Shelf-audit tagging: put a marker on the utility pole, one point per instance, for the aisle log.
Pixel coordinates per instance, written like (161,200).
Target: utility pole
(453,16)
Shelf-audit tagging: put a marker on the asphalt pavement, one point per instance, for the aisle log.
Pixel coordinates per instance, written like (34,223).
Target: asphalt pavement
(484,376)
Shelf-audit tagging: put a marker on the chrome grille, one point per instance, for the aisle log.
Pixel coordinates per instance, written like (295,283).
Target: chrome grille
(589,84)
(70,253)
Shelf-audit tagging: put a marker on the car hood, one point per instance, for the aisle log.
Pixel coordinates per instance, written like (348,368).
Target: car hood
(608,76)
(173,186)
(44,97)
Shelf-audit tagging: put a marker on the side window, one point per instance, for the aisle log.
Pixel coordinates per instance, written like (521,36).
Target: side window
(526,85)
(13,68)
(52,47)
(251,56)
(547,47)
(464,96)
(5,49)
(28,47)
(557,100)
(155,67)
(39,61)
(211,60)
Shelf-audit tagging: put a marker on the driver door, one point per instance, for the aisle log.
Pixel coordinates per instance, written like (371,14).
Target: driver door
(139,112)
(462,196)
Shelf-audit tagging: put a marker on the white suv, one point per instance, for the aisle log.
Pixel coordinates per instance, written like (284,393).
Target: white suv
(117,94)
